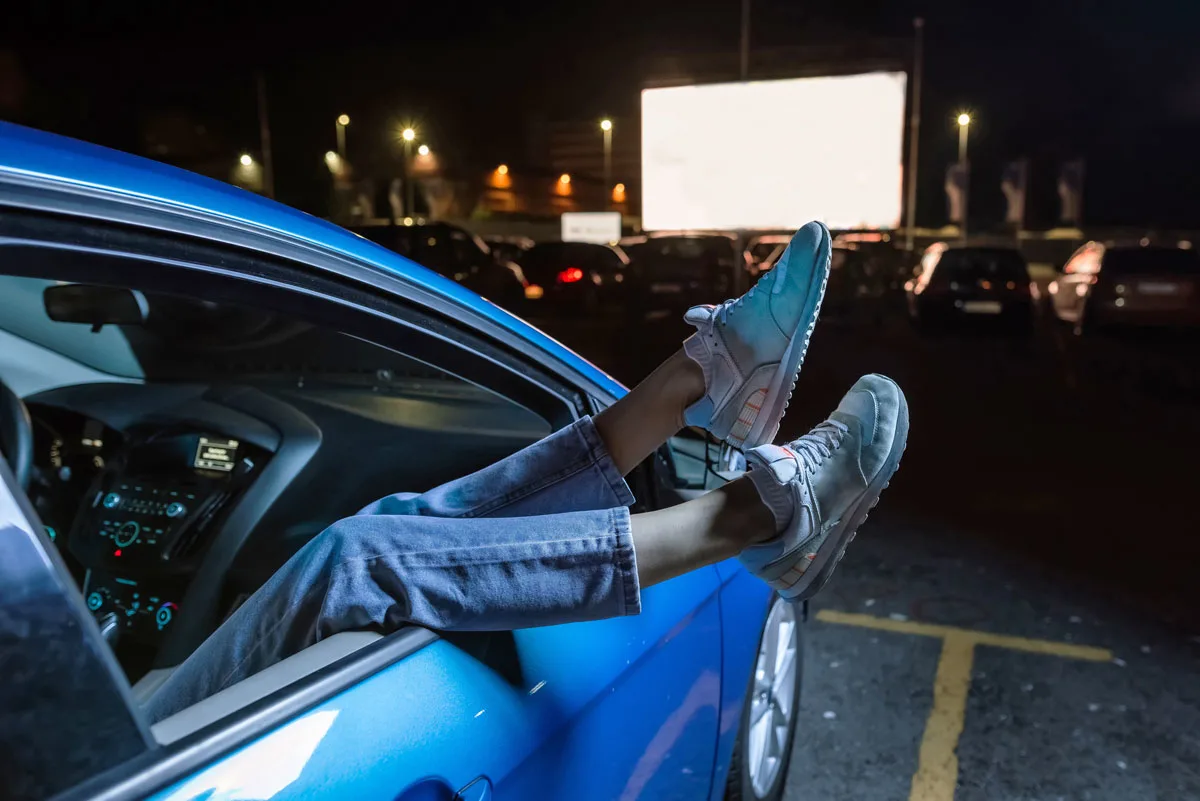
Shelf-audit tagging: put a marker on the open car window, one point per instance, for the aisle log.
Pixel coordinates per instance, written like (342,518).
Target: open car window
(265,413)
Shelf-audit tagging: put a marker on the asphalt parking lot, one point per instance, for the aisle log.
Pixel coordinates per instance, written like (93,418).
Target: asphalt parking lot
(1019,618)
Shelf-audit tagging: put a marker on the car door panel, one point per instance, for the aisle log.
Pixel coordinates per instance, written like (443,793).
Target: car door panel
(634,700)
(622,708)
(744,604)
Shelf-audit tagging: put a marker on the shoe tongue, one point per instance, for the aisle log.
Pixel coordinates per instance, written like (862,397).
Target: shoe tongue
(698,314)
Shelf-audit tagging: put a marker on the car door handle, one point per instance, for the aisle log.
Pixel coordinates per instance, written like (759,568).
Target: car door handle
(478,790)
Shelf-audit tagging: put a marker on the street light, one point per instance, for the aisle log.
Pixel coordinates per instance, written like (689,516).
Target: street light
(502,169)
(606,127)
(245,160)
(408,135)
(964,124)
(423,150)
(342,121)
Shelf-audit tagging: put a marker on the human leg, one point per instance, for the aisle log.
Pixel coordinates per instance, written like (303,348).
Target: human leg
(381,572)
(567,471)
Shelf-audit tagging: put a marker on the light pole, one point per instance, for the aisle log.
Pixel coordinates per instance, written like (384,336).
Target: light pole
(606,127)
(408,135)
(964,124)
(342,121)
(914,133)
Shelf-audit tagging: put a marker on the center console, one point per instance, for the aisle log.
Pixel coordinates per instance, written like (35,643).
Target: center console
(148,520)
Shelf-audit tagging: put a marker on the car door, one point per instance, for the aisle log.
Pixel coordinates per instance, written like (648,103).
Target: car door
(623,708)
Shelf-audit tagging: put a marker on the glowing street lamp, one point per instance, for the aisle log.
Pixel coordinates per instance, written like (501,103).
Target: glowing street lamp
(502,169)
(342,121)
(564,179)
(423,150)
(408,135)
(964,124)
(606,127)
(245,160)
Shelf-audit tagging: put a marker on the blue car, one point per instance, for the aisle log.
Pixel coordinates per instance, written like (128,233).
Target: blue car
(194,382)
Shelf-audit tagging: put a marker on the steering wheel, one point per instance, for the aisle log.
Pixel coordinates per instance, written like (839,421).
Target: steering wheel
(16,435)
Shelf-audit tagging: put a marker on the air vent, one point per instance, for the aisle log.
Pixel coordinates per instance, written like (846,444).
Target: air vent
(194,536)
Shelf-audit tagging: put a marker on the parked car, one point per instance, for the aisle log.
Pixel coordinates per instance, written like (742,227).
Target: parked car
(681,269)
(855,292)
(455,253)
(167,339)
(508,248)
(1114,285)
(574,277)
(956,283)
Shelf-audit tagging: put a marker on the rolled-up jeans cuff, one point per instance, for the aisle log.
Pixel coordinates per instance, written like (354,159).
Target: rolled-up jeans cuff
(600,457)
(625,561)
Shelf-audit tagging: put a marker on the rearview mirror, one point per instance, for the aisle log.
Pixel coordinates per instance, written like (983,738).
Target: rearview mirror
(94,305)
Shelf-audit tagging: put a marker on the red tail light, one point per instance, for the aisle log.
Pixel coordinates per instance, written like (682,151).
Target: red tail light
(570,275)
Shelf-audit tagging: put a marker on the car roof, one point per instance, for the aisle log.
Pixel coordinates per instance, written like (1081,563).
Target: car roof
(67,163)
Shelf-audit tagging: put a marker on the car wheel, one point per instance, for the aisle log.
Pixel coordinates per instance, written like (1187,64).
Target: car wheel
(763,749)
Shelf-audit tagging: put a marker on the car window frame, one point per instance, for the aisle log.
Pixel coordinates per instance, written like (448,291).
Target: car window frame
(486,362)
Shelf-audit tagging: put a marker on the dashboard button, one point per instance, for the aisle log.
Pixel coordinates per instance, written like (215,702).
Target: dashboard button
(127,534)
(163,616)
(111,501)
(95,601)
(176,509)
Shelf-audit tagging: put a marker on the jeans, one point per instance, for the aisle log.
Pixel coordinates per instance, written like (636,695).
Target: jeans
(539,538)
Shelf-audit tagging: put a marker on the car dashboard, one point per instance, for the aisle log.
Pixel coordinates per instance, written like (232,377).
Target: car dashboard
(134,511)
(172,503)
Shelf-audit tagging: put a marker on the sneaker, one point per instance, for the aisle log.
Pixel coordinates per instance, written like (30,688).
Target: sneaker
(751,348)
(821,487)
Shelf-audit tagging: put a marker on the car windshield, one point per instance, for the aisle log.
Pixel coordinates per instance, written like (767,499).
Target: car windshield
(187,339)
(1151,261)
(1004,264)
(718,249)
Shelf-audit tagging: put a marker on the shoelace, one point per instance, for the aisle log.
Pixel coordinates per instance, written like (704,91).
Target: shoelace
(720,312)
(818,444)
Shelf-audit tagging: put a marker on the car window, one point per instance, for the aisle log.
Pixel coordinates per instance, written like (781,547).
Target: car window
(969,264)
(360,396)
(187,339)
(1151,261)
(761,250)
(465,251)
(715,248)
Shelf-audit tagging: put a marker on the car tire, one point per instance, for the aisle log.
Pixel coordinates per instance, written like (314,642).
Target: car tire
(767,735)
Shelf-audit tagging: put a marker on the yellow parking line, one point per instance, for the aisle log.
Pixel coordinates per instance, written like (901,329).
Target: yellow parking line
(1063,649)
(937,763)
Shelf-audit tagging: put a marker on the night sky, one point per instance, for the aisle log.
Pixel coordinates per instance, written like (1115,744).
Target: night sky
(1047,80)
